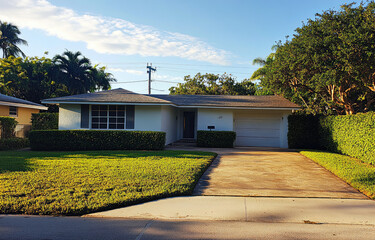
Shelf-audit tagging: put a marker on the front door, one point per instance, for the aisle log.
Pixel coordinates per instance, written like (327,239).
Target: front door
(189,124)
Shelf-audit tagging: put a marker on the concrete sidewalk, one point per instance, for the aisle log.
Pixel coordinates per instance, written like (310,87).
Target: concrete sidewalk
(251,209)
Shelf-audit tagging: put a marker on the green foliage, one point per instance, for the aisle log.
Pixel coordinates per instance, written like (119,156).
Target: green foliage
(352,135)
(34,78)
(303,131)
(358,174)
(78,75)
(44,121)
(215,84)
(216,139)
(329,64)
(7,126)
(13,143)
(76,183)
(73,140)
(9,40)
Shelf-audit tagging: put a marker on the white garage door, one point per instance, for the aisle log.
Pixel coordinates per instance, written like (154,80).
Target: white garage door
(257,130)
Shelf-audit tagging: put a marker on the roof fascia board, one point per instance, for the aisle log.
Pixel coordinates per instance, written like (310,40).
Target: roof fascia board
(110,103)
(23,105)
(252,108)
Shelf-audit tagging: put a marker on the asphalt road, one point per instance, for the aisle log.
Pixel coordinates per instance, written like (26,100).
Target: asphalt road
(56,228)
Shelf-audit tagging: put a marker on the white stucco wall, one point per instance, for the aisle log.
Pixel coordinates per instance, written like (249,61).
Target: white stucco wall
(147,118)
(69,116)
(169,118)
(222,119)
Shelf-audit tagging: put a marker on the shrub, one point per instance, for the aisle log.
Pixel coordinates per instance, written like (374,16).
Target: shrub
(70,140)
(352,135)
(303,131)
(7,126)
(219,139)
(44,121)
(13,143)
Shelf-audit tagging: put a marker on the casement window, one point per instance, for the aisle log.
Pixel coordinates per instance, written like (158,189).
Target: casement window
(108,117)
(13,111)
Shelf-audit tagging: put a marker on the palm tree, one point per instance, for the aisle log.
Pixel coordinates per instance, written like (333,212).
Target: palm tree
(78,75)
(9,40)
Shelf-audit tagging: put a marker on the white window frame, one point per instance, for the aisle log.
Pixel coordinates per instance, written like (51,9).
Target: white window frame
(13,115)
(108,117)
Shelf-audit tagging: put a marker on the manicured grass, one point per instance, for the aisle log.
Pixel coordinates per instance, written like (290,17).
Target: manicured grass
(76,183)
(358,174)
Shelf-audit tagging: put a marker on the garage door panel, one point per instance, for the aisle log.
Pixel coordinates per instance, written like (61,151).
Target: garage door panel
(257,142)
(257,130)
(275,133)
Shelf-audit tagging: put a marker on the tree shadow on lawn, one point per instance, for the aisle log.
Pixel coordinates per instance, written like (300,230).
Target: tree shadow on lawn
(14,161)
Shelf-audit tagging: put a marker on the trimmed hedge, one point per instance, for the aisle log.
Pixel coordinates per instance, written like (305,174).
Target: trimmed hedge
(44,121)
(353,135)
(73,140)
(7,125)
(215,139)
(303,131)
(13,143)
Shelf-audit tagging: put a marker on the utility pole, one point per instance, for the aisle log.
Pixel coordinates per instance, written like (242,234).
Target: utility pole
(149,70)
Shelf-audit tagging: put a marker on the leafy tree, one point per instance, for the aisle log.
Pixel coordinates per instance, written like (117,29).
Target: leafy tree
(78,75)
(9,40)
(212,84)
(329,65)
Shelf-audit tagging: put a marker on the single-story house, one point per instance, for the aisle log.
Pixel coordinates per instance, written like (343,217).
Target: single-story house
(257,120)
(21,110)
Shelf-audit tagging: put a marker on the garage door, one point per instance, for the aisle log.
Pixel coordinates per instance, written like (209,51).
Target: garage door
(257,130)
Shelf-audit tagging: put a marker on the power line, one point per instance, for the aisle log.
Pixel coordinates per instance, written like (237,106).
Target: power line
(131,81)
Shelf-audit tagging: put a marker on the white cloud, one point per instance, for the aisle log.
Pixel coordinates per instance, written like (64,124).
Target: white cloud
(108,35)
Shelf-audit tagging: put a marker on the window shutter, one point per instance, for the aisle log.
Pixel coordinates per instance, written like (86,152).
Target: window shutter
(130,117)
(85,116)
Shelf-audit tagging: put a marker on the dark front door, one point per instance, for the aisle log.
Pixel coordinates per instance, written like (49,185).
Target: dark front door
(189,124)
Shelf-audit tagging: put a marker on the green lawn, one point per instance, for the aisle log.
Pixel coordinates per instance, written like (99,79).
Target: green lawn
(358,174)
(75,183)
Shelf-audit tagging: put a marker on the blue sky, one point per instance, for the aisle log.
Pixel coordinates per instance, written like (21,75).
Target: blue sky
(178,37)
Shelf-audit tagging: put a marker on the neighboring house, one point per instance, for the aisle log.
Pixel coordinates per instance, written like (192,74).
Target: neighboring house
(21,110)
(257,120)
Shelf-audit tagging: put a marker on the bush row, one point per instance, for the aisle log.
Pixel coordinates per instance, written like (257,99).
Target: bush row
(217,139)
(44,121)
(351,135)
(7,126)
(13,143)
(70,140)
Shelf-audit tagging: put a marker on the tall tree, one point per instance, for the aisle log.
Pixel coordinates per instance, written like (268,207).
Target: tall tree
(215,84)
(9,40)
(329,64)
(78,75)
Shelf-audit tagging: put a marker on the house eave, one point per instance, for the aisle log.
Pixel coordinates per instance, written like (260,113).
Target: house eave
(23,105)
(109,103)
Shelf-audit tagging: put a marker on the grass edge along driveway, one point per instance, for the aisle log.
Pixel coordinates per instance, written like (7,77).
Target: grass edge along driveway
(358,174)
(77,183)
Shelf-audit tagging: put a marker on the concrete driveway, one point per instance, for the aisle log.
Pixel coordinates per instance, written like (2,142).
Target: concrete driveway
(270,172)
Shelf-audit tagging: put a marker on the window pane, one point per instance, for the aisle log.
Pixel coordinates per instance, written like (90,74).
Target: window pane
(120,126)
(103,113)
(112,120)
(120,120)
(120,113)
(95,120)
(95,113)
(103,126)
(103,120)
(112,113)
(112,126)
(94,107)
(103,107)
(121,108)
(95,126)
(112,108)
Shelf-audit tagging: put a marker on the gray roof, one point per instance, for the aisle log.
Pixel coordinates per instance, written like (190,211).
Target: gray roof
(124,96)
(18,102)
